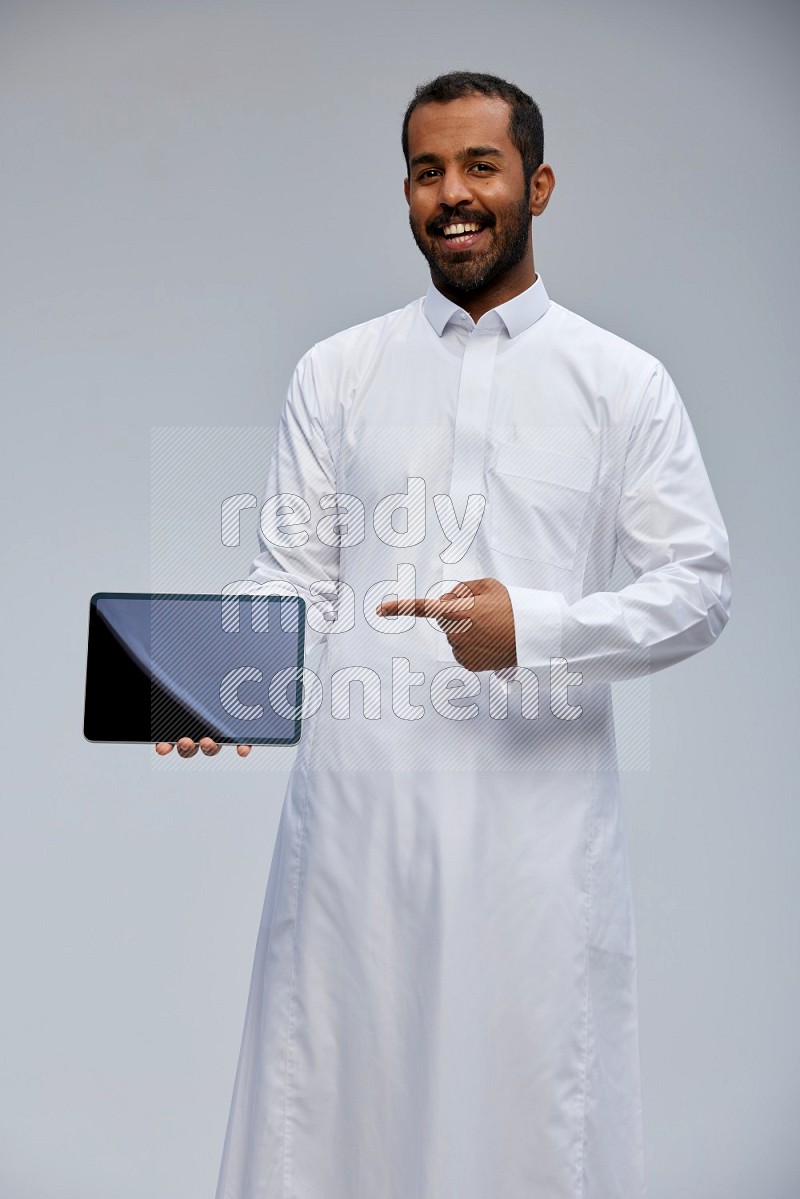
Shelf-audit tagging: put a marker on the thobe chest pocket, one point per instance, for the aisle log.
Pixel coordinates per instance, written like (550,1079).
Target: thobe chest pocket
(538,501)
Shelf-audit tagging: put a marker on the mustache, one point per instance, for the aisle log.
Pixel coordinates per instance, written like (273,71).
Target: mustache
(459,217)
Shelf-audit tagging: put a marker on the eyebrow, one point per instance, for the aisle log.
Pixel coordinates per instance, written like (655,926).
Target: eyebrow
(463,155)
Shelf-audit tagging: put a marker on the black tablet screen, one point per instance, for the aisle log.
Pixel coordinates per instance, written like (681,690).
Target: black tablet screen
(161,667)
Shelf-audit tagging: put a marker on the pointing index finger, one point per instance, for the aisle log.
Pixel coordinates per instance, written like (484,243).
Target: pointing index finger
(407,607)
(425,607)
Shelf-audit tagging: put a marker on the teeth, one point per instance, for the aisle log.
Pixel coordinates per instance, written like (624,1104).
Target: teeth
(456,229)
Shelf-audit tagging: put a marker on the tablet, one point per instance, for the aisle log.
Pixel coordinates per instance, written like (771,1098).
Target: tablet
(162,667)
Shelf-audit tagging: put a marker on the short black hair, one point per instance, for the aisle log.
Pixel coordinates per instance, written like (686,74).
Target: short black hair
(525,127)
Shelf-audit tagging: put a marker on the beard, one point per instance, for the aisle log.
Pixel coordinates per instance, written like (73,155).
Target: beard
(469,271)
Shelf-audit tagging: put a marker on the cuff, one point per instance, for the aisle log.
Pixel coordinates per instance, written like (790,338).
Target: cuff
(537,625)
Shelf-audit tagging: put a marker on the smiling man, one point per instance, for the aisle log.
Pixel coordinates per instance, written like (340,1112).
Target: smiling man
(443,999)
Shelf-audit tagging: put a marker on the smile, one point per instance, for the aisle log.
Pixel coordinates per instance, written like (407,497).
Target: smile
(460,236)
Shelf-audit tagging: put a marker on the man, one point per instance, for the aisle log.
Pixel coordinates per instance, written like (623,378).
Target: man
(443,1000)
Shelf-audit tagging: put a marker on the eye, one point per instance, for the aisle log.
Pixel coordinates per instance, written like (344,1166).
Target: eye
(483,167)
(430,172)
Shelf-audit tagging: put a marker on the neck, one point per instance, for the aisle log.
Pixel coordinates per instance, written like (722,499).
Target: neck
(499,291)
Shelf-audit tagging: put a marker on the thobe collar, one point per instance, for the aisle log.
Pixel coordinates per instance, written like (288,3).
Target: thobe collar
(517,314)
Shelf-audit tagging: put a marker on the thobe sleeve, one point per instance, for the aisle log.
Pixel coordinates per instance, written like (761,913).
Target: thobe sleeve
(293,559)
(670,532)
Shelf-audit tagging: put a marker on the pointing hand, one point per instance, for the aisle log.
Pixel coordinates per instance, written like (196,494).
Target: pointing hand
(477,619)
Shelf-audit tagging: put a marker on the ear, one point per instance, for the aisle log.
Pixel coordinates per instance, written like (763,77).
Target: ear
(542,183)
(407,190)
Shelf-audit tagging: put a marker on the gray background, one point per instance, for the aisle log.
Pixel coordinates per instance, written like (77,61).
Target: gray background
(191,195)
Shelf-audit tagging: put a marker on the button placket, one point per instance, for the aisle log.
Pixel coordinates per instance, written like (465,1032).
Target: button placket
(469,444)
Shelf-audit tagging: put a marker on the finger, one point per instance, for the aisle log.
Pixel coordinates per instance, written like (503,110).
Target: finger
(209,747)
(454,630)
(450,606)
(164,747)
(408,607)
(186,747)
(454,626)
(455,607)
(451,618)
(243,750)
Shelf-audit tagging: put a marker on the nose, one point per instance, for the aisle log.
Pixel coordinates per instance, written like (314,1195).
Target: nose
(454,189)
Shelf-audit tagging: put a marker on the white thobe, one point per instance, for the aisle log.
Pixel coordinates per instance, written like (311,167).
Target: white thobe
(443,1001)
